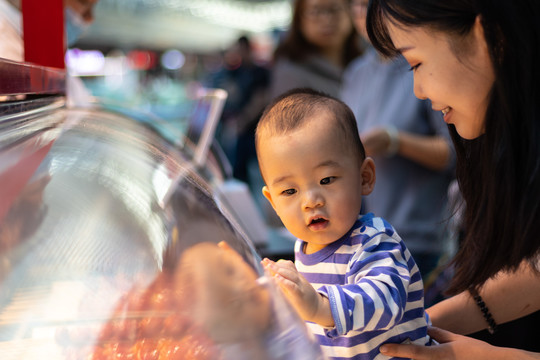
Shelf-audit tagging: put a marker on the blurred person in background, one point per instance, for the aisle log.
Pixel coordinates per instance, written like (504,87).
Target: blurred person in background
(78,16)
(321,42)
(410,144)
(247,84)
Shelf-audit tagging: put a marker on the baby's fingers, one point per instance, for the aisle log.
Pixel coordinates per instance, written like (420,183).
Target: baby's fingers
(281,269)
(287,264)
(269,266)
(285,284)
(274,271)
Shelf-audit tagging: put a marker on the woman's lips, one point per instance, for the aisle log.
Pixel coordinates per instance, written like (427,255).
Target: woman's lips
(446,113)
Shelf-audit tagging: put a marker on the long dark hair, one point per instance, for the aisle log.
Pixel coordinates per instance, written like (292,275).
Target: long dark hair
(296,47)
(499,172)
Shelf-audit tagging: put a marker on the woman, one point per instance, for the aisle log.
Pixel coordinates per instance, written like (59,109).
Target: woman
(318,47)
(476,62)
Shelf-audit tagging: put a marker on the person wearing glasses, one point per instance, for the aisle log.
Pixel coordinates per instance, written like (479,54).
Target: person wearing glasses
(320,43)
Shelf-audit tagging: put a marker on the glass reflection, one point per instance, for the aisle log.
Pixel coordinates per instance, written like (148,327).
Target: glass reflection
(96,263)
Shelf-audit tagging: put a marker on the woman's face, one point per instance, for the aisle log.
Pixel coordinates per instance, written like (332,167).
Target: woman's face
(457,85)
(325,23)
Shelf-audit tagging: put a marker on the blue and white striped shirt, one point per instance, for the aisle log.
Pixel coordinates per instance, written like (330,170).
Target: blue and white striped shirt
(374,288)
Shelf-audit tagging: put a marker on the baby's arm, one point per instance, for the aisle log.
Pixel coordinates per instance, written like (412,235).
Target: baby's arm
(377,291)
(311,305)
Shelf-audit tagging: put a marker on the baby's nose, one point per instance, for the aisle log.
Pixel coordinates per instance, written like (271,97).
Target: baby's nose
(312,199)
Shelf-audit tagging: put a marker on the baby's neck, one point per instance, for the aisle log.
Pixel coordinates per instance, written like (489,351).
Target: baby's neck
(310,248)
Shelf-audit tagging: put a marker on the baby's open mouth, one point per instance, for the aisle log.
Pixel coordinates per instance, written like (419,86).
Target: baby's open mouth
(318,223)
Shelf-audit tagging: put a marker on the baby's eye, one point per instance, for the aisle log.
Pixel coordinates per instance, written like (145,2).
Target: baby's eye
(328,180)
(289,192)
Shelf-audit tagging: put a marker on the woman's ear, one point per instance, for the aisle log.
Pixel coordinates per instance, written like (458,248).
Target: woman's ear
(481,45)
(268,196)
(367,171)
(478,29)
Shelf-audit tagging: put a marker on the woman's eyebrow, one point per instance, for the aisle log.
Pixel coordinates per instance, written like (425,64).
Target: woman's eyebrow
(401,50)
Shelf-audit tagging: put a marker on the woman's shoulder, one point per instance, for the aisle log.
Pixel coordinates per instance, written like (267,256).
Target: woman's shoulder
(285,64)
(285,76)
(288,74)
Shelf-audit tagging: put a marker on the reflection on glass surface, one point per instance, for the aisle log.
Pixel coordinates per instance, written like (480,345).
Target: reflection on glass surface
(112,247)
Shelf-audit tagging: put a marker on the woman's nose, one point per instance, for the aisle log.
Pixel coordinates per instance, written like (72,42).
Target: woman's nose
(418,89)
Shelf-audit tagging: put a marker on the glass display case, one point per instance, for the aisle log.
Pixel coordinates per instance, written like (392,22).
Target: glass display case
(113,244)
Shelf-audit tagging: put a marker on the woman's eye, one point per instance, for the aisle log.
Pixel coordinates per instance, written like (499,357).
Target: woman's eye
(327,180)
(414,67)
(289,192)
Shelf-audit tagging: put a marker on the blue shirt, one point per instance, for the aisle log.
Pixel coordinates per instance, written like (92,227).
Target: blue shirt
(374,288)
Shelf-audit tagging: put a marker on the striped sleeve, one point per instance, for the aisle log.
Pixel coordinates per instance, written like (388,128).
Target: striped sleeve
(375,294)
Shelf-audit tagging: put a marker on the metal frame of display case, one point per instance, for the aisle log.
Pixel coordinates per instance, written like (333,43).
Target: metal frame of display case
(26,79)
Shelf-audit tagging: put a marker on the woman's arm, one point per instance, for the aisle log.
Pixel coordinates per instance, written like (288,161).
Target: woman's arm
(508,296)
(432,152)
(457,347)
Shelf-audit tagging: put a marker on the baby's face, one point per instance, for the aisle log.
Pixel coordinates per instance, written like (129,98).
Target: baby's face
(313,181)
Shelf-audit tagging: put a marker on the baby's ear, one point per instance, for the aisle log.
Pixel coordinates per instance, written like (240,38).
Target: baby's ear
(367,171)
(267,195)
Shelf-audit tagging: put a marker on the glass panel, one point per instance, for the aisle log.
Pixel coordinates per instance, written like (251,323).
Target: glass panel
(113,247)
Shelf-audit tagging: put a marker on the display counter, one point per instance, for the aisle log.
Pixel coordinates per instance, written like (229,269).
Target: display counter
(113,245)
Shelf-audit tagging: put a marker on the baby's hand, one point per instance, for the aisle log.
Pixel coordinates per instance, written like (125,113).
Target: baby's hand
(311,305)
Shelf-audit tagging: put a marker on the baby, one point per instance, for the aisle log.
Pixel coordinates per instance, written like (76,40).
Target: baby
(353,281)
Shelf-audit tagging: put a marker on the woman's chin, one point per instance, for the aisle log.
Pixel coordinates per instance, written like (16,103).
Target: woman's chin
(468,132)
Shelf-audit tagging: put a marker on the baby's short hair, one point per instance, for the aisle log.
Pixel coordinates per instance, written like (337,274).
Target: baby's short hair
(290,111)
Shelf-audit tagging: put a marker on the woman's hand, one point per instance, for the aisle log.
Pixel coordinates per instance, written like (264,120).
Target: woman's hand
(453,346)
(376,141)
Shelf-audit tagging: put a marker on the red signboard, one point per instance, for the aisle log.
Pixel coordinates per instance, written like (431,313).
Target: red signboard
(43,32)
